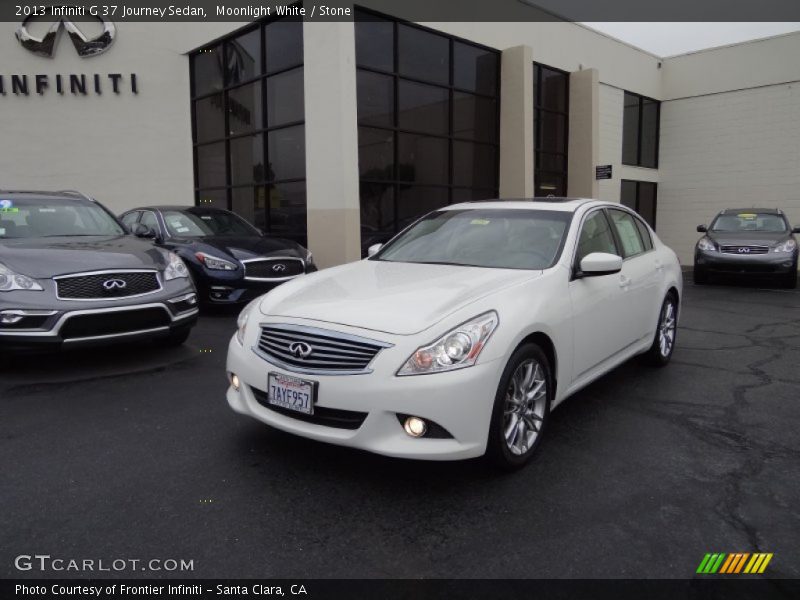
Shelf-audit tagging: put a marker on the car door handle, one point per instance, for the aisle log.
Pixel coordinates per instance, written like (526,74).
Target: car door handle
(624,281)
(659,265)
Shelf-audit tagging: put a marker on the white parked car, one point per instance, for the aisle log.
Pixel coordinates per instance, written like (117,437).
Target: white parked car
(458,337)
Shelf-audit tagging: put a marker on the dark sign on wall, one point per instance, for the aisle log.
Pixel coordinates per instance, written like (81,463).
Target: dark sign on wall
(602,172)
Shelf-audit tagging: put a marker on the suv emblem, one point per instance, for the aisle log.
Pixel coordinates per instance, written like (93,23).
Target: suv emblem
(744,250)
(300,349)
(279,268)
(115,284)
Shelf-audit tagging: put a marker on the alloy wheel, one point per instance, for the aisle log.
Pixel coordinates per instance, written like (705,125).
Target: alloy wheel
(526,399)
(666,329)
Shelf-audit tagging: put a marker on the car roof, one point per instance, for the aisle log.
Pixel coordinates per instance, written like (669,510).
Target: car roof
(561,204)
(733,211)
(65,196)
(162,207)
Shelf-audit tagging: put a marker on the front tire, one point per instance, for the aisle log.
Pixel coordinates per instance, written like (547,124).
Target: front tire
(660,352)
(521,408)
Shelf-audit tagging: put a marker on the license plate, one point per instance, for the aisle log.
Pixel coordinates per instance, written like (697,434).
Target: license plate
(291,393)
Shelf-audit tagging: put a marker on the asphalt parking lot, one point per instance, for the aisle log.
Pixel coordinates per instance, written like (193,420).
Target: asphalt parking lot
(132,452)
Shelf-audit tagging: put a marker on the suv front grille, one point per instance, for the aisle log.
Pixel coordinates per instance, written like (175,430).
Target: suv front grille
(311,350)
(745,249)
(116,322)
(102,286)
(273,268)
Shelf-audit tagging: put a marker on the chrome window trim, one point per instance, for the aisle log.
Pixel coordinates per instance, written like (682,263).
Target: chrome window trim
(319,331)
(269,259)
(109,272)
(56,329)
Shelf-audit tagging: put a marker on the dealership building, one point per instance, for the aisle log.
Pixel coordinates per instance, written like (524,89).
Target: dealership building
(338,134)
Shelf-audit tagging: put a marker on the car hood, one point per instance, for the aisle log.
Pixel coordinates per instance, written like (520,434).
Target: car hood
(43,258)
(242,248)
(391,297)
(749,238)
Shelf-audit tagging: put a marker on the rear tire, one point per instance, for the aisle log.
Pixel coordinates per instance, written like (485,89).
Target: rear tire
(661,350)
(521,408)
(175,338)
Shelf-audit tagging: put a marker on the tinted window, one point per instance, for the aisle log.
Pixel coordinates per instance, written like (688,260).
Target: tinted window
(374,42)
(244,108)
(130,219)
(423,55)
(247,159)
(595,236)
(551,128)
(243,57)
(423,107)
(474,68)
(375,99)
(508,239)
(285,98)
(627,232)
(32,218)
(209,118)
(207,70)
(644,233)
(640,196)
(284,44)
(640,130)
(197,223)
(149,220)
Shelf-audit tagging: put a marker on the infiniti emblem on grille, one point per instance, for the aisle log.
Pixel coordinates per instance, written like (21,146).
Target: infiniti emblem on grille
(744,250)
(115,284)
(300,349)
(279,268)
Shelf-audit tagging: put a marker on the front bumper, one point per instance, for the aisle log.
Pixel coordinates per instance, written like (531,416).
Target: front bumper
(771,263)
(459,401)
(221,287)
(98,325)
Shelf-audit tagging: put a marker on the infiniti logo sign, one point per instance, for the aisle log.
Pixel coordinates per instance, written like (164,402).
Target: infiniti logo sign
(300,349)
(45,46)
(279,268)
(744,250)
(114,284)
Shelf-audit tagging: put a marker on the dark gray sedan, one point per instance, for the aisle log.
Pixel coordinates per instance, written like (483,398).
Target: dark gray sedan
(71,275)
(757,242)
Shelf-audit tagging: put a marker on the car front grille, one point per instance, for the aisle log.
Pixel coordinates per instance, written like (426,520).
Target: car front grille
(312,350)
(745,249)
(102,286)
(114,323)
(329,417)
(273,268)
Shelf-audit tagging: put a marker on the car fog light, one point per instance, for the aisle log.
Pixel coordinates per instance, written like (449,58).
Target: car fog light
(415,427)
(235,382)
(10,318)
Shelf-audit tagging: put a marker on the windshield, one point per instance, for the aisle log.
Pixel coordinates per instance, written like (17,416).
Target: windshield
(36,218)
(206,223)
(501,238)
(749,221)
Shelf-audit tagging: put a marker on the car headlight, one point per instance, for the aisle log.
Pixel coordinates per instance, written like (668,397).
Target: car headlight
(215,263)
(787,246)
(176,269)
(10,281)
(241,321)
(706,244)
(457,349)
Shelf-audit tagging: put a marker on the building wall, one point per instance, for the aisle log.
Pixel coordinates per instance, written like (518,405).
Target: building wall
(727,150)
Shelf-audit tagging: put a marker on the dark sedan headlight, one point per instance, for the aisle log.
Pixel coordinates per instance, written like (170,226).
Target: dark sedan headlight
(787,246)
(706,244)
(215,263)
(11,281)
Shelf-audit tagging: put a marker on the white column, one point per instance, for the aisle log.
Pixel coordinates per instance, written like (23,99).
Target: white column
(584,133)
(334,234)
(516,123)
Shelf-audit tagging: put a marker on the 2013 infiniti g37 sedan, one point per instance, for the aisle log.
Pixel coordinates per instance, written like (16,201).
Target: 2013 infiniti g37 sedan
(71,275)
(458,337)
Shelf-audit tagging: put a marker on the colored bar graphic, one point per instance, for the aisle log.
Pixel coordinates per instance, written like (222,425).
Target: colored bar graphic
(717,564)
(727,564)
(734,563)
(765,563)
(741,562)
(703,563)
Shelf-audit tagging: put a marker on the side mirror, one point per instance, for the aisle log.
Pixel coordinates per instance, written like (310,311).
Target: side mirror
(796,230)
(374,249)
(143,231)
(702,229)
(600,263)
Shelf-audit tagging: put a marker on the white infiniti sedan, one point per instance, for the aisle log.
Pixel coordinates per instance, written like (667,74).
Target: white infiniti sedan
(458,337)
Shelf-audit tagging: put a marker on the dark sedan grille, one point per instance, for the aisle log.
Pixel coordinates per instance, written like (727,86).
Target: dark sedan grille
(329,417)
(116,322)
(745,249)
(330,352)
(101,286)
(274,268)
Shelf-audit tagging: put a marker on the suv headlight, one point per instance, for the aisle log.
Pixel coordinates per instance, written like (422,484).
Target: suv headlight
(10,281)
(175,268)
(787,246)
(706,244)
(244,316)
(214,263)
(456,349)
